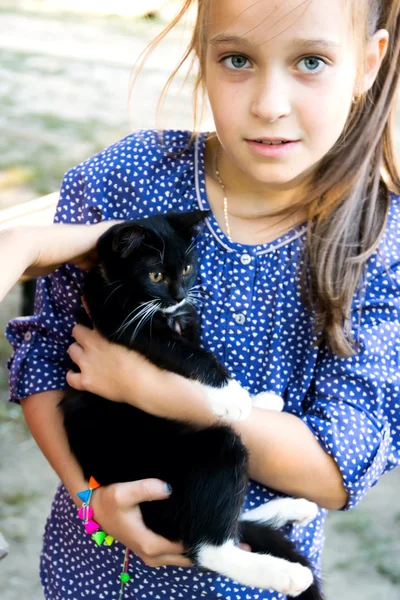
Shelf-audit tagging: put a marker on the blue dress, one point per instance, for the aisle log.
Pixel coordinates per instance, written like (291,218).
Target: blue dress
(255,323)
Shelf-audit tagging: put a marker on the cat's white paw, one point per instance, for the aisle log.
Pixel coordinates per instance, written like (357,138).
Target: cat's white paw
(292,579)
(283,510)
(303,511)
(231,402)
(269,401)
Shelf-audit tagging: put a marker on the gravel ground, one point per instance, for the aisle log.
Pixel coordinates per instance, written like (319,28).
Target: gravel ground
(64,84)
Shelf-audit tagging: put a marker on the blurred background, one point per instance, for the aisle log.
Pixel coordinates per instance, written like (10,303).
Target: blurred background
(65,67)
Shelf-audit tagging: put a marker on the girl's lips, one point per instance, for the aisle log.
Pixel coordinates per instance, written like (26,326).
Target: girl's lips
(269,150)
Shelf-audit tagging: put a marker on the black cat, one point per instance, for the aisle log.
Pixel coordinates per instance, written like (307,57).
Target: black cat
(141,295)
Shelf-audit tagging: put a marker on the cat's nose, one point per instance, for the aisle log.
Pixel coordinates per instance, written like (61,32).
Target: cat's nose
(178,297)
(177,293)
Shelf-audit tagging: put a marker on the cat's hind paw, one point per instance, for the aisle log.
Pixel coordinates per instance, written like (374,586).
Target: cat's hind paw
(294,579)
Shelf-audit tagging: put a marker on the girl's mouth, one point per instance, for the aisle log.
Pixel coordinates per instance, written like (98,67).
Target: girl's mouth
(273,147)
(268,143)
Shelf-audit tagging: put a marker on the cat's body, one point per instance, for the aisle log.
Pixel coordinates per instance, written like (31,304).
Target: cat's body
(139,296)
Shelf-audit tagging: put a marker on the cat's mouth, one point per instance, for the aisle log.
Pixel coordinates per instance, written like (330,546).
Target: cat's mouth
(174,307)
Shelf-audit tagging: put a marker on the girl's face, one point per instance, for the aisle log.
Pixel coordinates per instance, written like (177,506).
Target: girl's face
(283,69)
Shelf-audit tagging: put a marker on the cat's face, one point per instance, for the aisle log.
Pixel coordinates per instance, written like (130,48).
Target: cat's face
(153,259)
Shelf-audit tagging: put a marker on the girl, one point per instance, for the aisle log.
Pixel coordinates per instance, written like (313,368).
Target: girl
(300,263)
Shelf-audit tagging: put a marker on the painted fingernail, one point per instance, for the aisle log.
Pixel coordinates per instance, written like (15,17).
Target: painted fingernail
(168,488)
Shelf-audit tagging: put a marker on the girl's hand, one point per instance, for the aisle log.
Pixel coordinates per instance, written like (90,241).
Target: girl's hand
(116,509)
(116,373)
(36,251)
(107,369)
(52,245)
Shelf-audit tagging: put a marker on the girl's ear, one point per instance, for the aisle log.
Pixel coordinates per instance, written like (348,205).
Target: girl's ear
(121,239)
(375,53)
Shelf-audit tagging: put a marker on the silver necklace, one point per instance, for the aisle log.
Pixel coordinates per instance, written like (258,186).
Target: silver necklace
(221,183)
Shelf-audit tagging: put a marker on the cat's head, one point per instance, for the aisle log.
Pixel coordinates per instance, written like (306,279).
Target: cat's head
(153,258)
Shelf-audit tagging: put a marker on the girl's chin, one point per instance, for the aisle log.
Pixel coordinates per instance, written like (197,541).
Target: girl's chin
(280,181)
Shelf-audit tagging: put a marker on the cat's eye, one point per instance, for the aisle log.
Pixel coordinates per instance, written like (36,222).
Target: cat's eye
(156,277)
(187,269)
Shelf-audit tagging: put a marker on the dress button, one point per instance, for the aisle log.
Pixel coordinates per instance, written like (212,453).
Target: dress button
(28,336)
(239,318)
(245,259)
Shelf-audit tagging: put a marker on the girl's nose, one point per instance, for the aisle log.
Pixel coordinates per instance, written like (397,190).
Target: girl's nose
(271,100)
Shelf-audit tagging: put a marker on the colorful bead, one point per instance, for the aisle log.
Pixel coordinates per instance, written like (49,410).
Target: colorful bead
(91,527)
(85,495)
(99,537)
(93,484)
(125,577)
(85,512)
(109,540)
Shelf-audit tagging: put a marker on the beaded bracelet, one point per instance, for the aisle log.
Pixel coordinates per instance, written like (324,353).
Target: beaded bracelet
(85,513)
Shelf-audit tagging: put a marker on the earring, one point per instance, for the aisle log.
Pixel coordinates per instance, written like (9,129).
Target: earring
(354,99)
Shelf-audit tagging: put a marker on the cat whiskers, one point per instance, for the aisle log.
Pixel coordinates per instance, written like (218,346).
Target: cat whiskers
(113,283)
(150,312)
(140,310)
(161,253)
(192,246)
(200,288)
(151,324)
(193,303)
(196,293)
(113,292)
(194,300)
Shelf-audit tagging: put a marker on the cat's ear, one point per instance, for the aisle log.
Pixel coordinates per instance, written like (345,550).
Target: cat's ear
(188,222)
(122,239)
(128,239)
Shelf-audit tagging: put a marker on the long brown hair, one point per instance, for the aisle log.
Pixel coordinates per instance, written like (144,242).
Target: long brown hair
(348,199)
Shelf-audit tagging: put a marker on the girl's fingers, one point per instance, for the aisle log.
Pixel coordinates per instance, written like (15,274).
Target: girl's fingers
(82,334)
(143,490)
(153,545)
(75,352)
(74,380)
(127,497)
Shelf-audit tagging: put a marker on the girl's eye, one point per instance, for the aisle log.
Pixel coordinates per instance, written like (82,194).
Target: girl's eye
(312,64)
(187,270)
(236,62)
(156,277)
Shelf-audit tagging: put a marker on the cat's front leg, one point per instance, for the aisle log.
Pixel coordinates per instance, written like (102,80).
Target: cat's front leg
(226,397)
(268,401)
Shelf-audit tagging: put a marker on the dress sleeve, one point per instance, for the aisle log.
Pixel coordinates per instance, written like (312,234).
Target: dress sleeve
(40,342)
(353,408)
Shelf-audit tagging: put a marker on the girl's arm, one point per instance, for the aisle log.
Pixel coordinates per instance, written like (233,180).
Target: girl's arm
(45,423)
(283,452)
(39,250)
(286,456)
(115,506)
